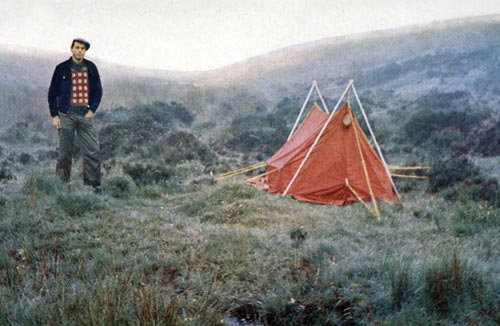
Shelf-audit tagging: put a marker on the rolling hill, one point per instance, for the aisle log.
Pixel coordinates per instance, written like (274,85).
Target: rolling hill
(450,65)
(448,56)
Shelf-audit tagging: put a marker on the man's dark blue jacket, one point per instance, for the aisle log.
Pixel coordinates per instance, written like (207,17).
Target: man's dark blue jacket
(60,88)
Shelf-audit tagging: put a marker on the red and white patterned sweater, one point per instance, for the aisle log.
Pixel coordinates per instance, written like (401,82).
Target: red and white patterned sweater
(79,87)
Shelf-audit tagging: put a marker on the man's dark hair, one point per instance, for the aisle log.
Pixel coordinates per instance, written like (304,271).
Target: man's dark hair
(81,40)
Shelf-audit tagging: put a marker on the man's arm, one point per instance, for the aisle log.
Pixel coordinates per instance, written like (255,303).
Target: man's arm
(96,86)
(53,93)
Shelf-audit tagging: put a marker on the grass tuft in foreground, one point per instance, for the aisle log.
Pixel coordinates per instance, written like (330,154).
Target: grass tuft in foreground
(226,253)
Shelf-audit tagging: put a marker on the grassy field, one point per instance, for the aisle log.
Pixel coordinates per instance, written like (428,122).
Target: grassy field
(229,254)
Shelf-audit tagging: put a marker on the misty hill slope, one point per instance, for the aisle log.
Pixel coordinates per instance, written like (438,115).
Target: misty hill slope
(449,56)
(402,64)
(393,68)
(26,74)
(31,67)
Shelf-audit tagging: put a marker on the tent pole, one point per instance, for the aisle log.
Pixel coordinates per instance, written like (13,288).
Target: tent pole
(365,170)
(376,143)
(321,98)
(317,138)
(302,110)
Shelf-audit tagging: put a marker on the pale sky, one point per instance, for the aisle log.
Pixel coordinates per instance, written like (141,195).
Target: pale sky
(206,34)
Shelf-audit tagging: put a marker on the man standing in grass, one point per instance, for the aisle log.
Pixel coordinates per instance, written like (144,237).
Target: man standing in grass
(74,96)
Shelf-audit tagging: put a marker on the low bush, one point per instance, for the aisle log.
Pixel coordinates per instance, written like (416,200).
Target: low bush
(486,143)
(182,146)
(37,183)
(150,192)
(265,141)
(44,155)
(487,189)
(264,134)
(111,138)
(288,109)
(459,179)
(166,114)
(17,133)
(120,186)
(441,130)
(148,173)
(447,140)
(6,173)
(141,129)
(25,158)
(75,204)
(449,171)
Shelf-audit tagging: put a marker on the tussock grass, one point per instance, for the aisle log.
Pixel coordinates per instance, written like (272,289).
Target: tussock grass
(218,254)
(36,184)
(120,186)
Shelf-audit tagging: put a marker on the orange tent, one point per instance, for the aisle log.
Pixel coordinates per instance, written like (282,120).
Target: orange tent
(341,168)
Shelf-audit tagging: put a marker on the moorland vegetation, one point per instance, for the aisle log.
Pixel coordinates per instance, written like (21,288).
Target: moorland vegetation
(166,244)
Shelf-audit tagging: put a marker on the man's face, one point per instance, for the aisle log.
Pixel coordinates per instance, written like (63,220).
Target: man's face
(78,50)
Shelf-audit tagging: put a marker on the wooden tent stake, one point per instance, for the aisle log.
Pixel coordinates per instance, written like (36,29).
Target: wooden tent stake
(240,170)
(408,176)
(365,170)
(265,173)
(355,193)
(376,143)
(399,167)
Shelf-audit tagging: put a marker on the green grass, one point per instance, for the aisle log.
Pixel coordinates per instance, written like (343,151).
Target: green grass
(214,254)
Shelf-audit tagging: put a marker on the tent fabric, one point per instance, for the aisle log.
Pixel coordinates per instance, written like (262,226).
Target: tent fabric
(335,158)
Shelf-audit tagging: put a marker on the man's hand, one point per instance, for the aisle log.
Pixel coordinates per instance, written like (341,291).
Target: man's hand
(56,122)
(89,114)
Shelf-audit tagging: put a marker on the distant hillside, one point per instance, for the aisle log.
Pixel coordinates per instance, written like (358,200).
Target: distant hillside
(26,74)
(394,66)
(408,62)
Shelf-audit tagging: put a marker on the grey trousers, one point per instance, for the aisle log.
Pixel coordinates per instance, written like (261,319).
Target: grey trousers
(74,124)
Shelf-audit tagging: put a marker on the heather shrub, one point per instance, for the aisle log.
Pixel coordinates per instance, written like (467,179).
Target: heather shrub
(6,171)
(148,173)
(485,189)
(75,204)
(486,143)
(120,186)
(25,158)
(449,171)
(251,133)
(150,191)
(43,155)
(37,183)
(440,131)
(182,146)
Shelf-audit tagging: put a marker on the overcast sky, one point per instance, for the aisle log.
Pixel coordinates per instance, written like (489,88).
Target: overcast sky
(207,34)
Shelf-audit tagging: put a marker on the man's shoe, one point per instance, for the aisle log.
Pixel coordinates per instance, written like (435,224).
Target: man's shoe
(98,190)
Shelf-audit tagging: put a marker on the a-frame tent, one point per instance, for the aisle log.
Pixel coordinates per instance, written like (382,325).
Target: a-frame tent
(329,159)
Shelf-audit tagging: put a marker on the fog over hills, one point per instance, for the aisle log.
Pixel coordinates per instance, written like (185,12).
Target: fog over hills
(400,64)
(26,74)
(452,55)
